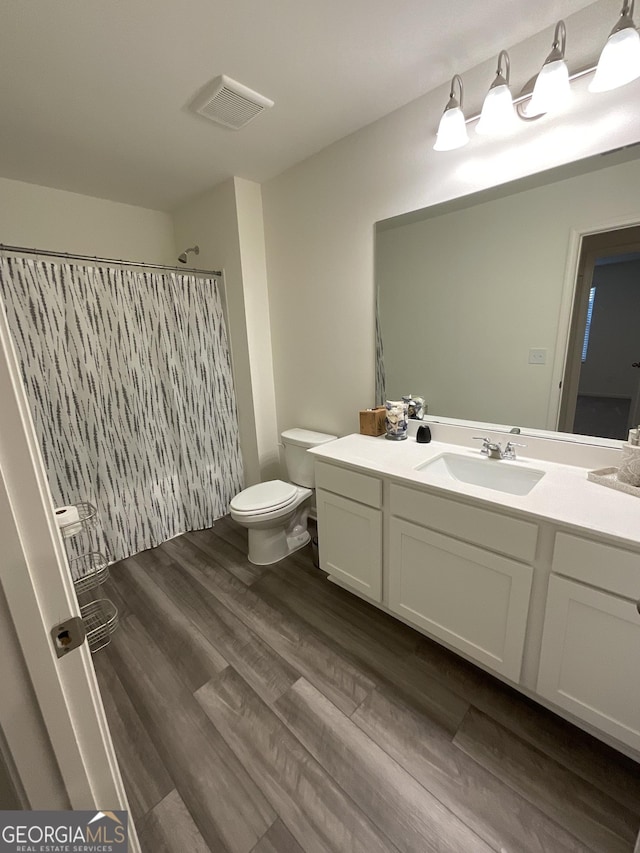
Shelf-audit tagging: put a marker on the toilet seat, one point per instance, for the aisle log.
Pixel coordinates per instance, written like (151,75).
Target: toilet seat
(264,498)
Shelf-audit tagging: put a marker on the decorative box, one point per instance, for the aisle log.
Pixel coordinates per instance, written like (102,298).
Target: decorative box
(372,421)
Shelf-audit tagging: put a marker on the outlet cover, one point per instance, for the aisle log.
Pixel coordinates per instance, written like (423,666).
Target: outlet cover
(537,356)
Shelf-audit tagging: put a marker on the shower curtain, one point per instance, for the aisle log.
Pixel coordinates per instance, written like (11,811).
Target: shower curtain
(129,381)
(381,380)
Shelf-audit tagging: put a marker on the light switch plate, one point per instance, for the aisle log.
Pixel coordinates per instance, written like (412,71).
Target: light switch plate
(537,356)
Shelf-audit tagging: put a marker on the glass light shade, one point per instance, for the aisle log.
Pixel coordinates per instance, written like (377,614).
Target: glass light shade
(619,61)
(552,89)
(452,131)
(498,115)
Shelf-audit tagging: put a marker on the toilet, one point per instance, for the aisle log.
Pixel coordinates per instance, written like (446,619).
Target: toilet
(275,512)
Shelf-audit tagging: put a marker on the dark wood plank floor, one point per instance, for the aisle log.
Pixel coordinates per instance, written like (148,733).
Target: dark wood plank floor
(268,711)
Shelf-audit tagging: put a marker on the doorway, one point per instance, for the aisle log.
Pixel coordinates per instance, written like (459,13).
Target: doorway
(601,382)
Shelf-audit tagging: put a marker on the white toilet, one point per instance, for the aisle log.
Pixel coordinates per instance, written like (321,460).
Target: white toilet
(275,512)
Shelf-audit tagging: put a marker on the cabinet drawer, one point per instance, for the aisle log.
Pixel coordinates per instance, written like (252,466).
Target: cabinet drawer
(349,484)
(480,526)
(589,660)
(605,566)
(474,600)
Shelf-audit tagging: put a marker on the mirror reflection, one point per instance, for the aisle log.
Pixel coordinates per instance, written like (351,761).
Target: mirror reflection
(498,308)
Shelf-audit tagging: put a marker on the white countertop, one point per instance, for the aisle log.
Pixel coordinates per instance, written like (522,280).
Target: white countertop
(563,496)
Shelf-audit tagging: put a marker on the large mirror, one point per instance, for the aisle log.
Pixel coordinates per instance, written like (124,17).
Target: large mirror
(476,298)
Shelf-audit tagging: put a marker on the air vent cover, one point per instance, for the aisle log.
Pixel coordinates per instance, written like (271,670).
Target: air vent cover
(229,103)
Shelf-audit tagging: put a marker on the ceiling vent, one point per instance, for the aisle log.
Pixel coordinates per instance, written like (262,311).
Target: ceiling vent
(229,103)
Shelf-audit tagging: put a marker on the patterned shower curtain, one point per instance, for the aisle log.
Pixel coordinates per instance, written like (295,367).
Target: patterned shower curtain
(129,380)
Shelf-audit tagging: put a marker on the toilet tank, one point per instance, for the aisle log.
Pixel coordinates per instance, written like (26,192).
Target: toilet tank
(300,463)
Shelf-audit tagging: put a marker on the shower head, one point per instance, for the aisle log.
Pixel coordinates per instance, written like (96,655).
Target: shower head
(183,257)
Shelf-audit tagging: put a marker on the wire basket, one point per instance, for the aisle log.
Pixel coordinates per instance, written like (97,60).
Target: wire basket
(87,519)
(89,571)
(100,618)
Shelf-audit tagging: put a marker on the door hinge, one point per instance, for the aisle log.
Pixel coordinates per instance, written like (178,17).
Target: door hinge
(68,635)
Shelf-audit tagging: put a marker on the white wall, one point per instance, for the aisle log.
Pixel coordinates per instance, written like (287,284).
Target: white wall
(320,215)
(45,218)
(227,225)
(465,295)
(256,305)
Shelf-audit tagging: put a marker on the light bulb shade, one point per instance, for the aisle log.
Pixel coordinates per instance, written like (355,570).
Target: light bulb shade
(452,131)
(619,61)
(497,116)
(552,89)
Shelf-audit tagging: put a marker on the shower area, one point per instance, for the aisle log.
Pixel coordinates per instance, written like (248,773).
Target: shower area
(128,374)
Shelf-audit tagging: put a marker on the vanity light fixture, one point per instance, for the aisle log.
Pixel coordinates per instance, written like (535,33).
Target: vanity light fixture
(552,89)
(619,64)
(452,131)
(620,58)
(498,115)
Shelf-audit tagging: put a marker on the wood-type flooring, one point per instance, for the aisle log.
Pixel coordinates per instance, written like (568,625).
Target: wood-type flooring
(266,710)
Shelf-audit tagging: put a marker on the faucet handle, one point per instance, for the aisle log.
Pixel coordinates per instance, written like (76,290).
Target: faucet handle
(510,449)
(486,443)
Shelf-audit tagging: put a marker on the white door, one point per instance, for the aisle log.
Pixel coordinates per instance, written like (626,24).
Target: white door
(607,369)
(474,600)
(590,654)
(350,540)
(37,592)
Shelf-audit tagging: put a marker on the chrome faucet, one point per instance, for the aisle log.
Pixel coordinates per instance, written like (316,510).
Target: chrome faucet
(494,450)
(509,451)
(491,448)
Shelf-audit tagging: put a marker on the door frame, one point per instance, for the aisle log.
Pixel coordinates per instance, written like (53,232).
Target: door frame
(601,244)
(573,364)
(38,591)
(568,298)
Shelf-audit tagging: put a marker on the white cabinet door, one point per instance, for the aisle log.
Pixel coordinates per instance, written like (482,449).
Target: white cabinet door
(474,600)
(350,540)
(590,663)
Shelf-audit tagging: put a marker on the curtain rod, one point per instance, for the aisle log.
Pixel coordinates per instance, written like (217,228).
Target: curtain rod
(24,250)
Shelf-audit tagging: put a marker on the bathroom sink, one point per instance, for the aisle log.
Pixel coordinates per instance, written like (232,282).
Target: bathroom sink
(500,475)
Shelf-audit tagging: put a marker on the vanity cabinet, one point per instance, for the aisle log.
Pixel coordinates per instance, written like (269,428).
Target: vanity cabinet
(526,589)
(475,600)
(590,656)
(350,528)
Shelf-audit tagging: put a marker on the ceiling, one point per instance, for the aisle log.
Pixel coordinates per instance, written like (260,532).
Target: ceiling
(95,93)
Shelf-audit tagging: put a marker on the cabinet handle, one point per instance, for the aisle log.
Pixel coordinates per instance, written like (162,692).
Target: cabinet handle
(638,605)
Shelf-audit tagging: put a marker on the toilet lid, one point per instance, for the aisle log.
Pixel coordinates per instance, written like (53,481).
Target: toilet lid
(263,496)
